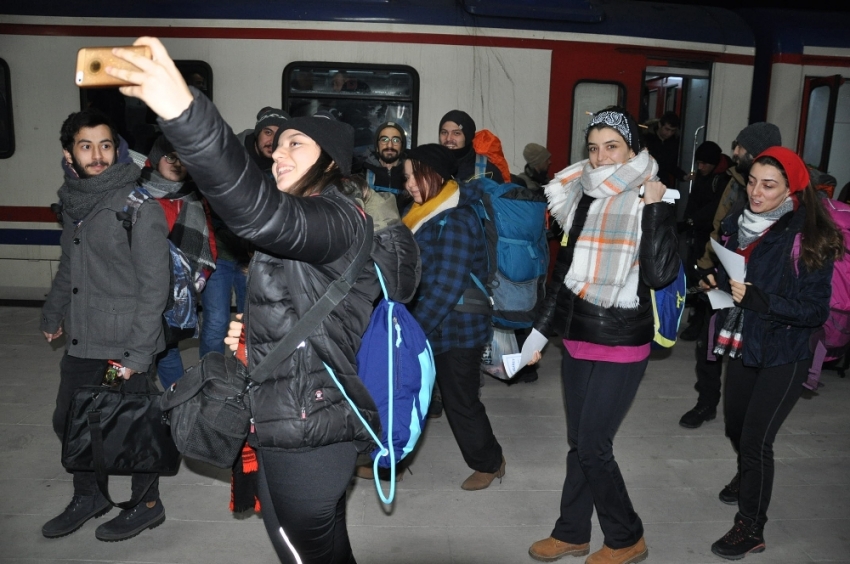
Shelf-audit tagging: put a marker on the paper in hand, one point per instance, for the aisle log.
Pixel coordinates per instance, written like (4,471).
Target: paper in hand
(515,362)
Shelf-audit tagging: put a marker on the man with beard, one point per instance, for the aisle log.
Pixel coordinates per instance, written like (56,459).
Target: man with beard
(189,228)
(383,168)
(751,141)
(107,298)
(258,142)
(457,131)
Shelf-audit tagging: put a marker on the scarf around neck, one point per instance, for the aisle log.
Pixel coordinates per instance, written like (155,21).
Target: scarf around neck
(751,226)
(79,196)
(605,268)
(419,214)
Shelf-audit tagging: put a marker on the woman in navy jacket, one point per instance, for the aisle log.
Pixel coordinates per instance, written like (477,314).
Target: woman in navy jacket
(789,244)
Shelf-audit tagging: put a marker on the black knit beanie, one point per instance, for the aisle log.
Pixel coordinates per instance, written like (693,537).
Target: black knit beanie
(269,116)
(395,126)
(336,138)
(758,137)
(709,153)
(434,155)
(161,147)
(467,125)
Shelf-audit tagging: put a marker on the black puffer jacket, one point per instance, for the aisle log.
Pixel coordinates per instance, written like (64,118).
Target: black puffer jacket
(575,319)
(306,244)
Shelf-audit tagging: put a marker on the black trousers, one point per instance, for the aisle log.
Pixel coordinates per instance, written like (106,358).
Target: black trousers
(458,375)
(73,373)
(304,494)
(757,402)
(597,397)
(708,371)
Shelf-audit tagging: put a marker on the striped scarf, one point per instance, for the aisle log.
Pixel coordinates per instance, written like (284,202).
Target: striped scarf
(419,214)
(605,269)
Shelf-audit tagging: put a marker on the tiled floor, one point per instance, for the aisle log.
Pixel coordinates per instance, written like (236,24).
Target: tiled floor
(673,475)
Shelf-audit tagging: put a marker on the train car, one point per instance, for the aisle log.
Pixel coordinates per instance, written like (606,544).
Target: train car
(528,70)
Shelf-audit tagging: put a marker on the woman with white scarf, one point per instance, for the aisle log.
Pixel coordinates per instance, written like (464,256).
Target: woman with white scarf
(789,243)
(620,241)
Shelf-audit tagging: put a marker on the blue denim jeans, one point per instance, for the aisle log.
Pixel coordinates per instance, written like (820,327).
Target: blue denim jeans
(227,278)
(169,365)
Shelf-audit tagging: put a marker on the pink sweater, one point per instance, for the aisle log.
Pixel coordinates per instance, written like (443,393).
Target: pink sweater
(583,350)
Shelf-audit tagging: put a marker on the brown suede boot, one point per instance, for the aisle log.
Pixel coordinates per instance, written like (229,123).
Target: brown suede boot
(629,555)
(367,473)
(480,480)
(549,550)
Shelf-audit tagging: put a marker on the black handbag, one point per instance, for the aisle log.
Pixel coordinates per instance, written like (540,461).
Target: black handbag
(113,431)
(209,407)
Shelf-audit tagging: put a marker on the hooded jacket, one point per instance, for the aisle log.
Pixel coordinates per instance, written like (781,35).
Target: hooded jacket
(305,243)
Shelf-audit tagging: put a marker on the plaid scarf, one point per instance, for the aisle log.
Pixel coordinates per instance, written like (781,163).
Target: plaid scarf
(190,232)
(605,268)
(729,339)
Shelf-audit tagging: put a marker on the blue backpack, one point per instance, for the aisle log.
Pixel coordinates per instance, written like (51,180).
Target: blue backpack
(370,180)
(513,219)
(396,364)
(668,304)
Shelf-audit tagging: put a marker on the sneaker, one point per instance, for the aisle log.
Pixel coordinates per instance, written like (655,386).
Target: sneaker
(435,410)
(131,522)
(697,416)
(742,539)
(551,549)
(729,493)
(81,509)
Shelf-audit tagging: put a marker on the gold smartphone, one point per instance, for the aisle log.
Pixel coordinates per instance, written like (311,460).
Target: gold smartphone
(92,63)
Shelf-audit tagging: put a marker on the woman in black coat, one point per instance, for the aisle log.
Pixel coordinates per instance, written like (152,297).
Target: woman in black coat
(307,228)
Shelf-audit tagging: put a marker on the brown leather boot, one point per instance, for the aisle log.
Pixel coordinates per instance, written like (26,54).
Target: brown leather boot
(481,480)
(367,473)
(629,555)
(549,550)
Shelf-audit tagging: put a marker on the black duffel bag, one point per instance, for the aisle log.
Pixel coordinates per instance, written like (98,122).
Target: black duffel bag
(110,430)
(209,407)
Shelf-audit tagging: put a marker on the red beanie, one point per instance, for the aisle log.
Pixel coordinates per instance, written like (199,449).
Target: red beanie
(795,168)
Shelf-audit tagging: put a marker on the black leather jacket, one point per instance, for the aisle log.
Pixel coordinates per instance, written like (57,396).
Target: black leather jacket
(573,318)
(306,244)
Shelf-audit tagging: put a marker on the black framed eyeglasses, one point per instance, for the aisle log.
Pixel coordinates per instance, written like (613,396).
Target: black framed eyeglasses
(385,139)
(172,158)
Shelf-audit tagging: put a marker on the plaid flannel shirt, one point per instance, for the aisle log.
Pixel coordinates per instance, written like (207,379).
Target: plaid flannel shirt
(451,246)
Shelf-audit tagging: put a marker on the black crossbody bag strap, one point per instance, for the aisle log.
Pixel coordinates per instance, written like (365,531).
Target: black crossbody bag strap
(305,326)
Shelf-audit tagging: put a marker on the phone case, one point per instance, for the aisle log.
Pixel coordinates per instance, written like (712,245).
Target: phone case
(92,63)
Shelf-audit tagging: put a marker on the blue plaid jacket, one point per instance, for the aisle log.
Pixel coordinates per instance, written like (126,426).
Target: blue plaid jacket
(451,245)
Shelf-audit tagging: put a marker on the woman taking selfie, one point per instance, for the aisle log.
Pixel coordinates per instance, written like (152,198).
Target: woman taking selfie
(620,241)
(450,238)
(309,229)
(789,243)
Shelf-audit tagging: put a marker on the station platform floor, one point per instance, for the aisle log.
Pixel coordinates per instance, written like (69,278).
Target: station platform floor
(673,475)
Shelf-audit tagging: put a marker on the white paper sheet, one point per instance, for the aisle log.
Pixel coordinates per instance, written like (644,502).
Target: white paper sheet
(670,195)
(719,299)
(734,263)
(514,362)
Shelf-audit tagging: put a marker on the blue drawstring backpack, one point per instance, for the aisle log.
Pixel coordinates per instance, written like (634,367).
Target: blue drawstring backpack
(668,304)
(396,364)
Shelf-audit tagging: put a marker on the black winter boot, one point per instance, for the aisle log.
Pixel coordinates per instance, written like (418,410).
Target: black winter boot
(729,493)
(742,539)
(81,509)
(131,522)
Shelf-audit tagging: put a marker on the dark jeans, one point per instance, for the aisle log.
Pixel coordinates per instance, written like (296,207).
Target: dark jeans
(304,493)
(708,371)
(757,401)
(73,373)
(216,297)
(458,375)
(597,396)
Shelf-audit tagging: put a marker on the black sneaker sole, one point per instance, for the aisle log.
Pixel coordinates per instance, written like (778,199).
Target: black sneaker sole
(135,532)
(755,550)
(728,500)
(687,425)
(95,515)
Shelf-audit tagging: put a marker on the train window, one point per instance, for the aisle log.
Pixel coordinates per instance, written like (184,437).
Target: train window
(825,125)
(136,122)
(364,96)
(588,98)
(7,130)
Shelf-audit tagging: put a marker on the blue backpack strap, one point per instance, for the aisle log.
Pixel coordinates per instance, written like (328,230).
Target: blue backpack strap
(480,165)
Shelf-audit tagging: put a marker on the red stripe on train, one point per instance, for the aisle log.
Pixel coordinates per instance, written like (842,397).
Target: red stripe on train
(31,214)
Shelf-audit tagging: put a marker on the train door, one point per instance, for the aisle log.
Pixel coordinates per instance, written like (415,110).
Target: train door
(683,91)
(824,139)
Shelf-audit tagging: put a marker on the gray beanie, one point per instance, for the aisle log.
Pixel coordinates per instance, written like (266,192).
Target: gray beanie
(269,116)
(536,155)
(757,137)
(161,147)
(395,126)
